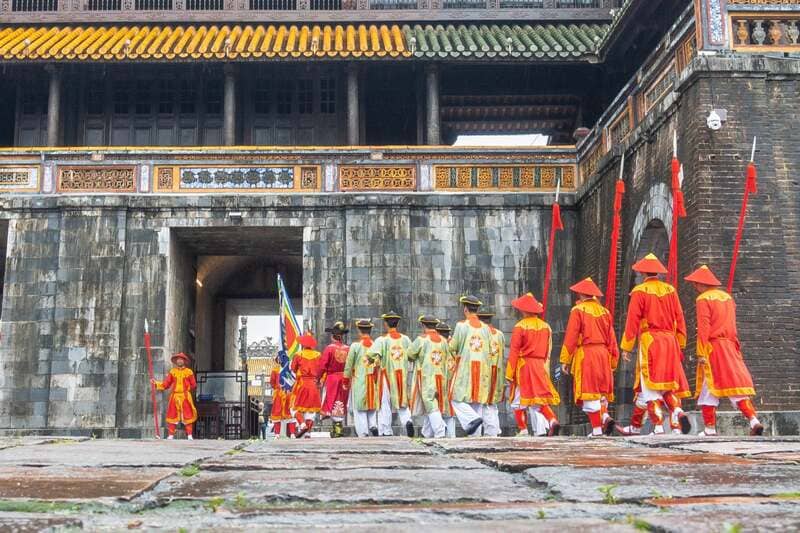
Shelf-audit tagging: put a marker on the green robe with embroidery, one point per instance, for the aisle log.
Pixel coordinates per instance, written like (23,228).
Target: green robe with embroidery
(497,365)
(360,370)
(471,346)
(429,391)
(394,364)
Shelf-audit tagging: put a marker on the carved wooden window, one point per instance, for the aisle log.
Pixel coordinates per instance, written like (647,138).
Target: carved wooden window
(262,96)
(33,99)
(284,96)
(143,105)
(327,95)
(214,97)
(660,87)
(166,97)
(305,97)
(121,96)
(188,97)
(620,128)
(95,98)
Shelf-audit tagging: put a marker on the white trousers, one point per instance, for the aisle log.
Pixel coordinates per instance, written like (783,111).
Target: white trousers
(590,406)
(385,413)
(363,420)
(706,398)
(434,426)
(491,421)
(539,423)
(450,423)
(466,413)
(647,394)
(306,416)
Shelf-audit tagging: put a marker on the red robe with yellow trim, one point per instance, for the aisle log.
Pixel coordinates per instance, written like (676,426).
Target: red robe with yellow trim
(280,397)
(529,363)
(305,395)
(724,370)
(334,358)
(655,318)
(181,405)
(590,348)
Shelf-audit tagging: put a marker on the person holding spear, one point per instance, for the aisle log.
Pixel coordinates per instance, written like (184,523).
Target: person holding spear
(180,408)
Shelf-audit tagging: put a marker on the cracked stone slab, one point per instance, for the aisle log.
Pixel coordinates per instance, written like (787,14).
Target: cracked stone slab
(672,481)
(745,447)
(359,485)
(263,460)
(530,444)
(13,442)
(74,483)
(744,517)
(513,526)
(375,445)
(34,522)
(175,453)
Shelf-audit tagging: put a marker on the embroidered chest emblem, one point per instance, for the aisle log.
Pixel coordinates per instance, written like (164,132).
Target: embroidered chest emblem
(396,352)
(475,343)
(436,357)
(340,354)
(495,352)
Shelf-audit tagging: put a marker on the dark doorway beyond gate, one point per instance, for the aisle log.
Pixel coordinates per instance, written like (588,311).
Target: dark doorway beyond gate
(218,275)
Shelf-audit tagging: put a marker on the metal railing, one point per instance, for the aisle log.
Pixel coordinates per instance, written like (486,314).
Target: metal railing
(34,5)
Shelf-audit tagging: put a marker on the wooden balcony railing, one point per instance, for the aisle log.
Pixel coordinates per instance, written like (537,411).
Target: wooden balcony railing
(72,11)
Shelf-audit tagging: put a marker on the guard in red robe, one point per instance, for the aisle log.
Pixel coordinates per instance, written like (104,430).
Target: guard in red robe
(528,369)
(334,358)
(721,370)
(181,405)
(280,414)
(306,401)
(591,355)
(656,322)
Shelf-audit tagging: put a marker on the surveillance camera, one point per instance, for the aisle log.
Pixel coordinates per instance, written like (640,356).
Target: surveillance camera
(714,121)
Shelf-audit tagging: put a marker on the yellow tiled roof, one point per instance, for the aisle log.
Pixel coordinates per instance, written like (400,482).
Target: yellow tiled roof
(201,41)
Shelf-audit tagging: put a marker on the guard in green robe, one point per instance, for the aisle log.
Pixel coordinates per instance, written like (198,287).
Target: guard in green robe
(497,382)
(429,392)
(444,329)
(471,345)
(360,377)
(393,385)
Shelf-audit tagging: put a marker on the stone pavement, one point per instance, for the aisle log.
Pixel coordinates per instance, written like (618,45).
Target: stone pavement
(728,484)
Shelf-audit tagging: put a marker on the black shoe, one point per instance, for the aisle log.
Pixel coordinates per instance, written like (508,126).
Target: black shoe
(686,425)
(373,431)
(473,426)
(608,427)
(555,427)
(410,429)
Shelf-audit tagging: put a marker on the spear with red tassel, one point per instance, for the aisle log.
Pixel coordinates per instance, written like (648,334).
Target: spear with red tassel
(611,283)
(556,224)
(678,211)
(750,187)
(148,349)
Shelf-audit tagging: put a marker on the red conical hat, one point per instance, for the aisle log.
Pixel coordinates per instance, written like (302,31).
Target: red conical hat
(528,304)
(705,276)
(307,341)
(186,358)
(588,287)
(649,265)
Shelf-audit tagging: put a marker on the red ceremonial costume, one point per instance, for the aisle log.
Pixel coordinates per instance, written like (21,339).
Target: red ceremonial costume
(305,399)
(181,405)
(721,370)
(280,399)
(334,358)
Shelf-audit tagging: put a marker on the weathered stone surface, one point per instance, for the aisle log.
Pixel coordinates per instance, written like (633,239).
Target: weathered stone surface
(383,445)
(77,483)
(746,447)
(774,516)
(32,523)
(332,460)
(677,481)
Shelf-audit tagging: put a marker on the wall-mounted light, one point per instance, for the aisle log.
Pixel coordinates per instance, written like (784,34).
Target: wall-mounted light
(198,282)
(235,216)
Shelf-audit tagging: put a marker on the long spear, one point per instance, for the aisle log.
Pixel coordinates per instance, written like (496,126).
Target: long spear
(555,225)
(611,282)
(750,186)
(148,349)
(678,211)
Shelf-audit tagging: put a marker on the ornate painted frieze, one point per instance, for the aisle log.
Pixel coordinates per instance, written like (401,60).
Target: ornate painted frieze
(377,178)
(502,178)
(19,179)
(97,179)
(764,32)
(236,178)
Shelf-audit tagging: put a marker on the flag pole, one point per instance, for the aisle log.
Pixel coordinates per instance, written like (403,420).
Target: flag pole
(148,349)
(678,211)
(750,186)
(611,282)
(555,225)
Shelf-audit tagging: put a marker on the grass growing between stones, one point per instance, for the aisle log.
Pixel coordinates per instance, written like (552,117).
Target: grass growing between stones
(608,494)
(190,470)
(36,506)
(639,524)
(788,495)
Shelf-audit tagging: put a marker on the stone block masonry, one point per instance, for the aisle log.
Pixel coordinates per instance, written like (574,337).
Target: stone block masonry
(84,272)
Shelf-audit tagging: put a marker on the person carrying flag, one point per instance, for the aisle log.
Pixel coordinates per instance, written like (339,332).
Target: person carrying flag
(306,402)
(180,408)
(444,329)
(280,413)
(528,368)
(429,392)
(359,378)
(721,370)
(471,344)
(497,385)
(334,358)
(655,321)
(590,354)
(393,385)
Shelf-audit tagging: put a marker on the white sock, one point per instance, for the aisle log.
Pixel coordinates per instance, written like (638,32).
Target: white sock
(754,422)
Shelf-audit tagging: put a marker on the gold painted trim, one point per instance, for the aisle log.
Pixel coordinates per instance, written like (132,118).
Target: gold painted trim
(36,187)
(498,188)
(163,174)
